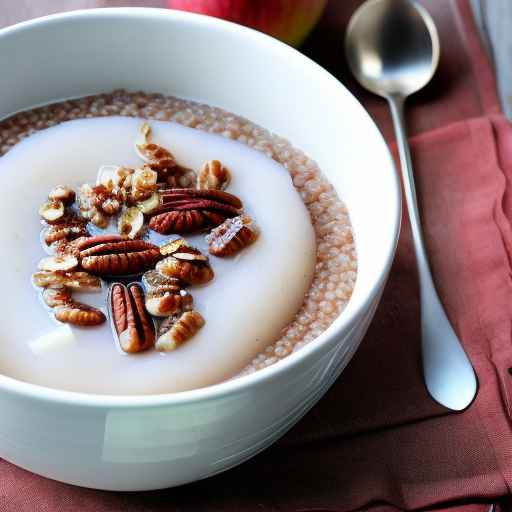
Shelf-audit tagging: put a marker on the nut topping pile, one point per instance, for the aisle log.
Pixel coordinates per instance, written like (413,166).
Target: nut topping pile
(150,304)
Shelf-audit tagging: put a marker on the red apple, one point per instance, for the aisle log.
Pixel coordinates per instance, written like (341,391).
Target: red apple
(288,20)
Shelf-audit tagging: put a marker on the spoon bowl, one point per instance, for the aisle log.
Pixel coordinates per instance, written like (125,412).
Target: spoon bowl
(392,47)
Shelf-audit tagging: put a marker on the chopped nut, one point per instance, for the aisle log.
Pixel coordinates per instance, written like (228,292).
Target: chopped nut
(52,210)
(79,281)
(131,223)
(96,203)
(100,220)
(79,314)
(149,205)
(232,236)
(123,178)
(191,272)
(107,175)
(213,175)
(63,194)
(187,256)
(181,329)
(144,179)
(153,280)
(133,326)
(54,297)
(171,247)
(68,228)
(61,263)
(181,177)
(162,302)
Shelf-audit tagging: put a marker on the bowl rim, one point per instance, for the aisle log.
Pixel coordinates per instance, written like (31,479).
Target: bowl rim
(232,386)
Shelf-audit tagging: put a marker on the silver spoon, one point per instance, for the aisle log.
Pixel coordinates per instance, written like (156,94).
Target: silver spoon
(392,48)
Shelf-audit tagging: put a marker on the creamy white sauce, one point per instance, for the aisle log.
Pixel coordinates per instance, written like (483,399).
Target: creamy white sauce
(252,297)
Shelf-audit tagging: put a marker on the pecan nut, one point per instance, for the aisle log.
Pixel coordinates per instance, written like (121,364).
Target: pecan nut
(133,326)
(163,301)
(114,255)
(68,228)
(232,236)
(79,281)
(69,311)
(190,271)
(64,263)
(188,210)
(213,175)
(76,313)
(175,330)
(184,221)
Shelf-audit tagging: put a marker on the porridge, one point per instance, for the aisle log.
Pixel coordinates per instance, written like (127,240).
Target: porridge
(218,263)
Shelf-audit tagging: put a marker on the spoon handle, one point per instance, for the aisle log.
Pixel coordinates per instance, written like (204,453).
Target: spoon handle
(448,373)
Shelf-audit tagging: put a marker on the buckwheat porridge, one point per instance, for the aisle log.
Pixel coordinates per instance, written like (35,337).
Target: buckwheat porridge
(154,245)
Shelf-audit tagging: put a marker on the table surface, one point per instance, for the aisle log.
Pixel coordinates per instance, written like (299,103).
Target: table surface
(492,16)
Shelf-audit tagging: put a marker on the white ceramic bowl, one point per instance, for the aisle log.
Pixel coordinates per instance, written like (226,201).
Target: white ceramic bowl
(150,442)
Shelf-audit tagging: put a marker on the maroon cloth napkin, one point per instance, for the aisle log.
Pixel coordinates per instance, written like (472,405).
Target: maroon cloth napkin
(376,440)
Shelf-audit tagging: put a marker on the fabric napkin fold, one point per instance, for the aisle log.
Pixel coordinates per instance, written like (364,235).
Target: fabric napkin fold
(376,440)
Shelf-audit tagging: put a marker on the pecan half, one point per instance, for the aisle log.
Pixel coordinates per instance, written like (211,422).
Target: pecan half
(219,196)
(79,314)
(68,228)
(187,210)
(181,266)
(114,255)
(164,302)
(79,281)
(185,221)
(134,327)
(65,262)
(232,236)
(213,175)
(180,329)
